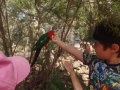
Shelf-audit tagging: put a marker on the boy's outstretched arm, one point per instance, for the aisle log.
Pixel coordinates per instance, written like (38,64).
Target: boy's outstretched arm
(75,81)
(68,48)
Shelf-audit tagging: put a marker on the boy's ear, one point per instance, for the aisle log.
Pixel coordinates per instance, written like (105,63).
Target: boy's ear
(115,47)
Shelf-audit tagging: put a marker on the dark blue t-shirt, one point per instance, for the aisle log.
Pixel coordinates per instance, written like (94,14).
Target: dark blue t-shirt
(102,76)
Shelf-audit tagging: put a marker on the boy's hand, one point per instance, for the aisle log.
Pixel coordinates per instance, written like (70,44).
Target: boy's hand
(88,48)
(54,39)
(68,66)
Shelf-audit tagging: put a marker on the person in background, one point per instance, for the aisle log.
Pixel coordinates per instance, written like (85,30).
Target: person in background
(105,65)
(13,70)
(69,67)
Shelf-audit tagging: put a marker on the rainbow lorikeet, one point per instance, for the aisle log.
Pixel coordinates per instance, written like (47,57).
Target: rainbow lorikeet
(42,41)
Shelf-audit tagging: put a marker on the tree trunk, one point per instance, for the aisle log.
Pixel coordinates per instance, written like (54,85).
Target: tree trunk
(3,34)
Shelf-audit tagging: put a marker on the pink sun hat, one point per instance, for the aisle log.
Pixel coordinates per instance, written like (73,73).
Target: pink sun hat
(12,71)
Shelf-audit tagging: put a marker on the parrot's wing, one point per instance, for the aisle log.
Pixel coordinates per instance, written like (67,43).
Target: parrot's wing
(43,40)
(40,42)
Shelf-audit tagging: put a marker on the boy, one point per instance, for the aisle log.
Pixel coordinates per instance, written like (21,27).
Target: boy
(105,65)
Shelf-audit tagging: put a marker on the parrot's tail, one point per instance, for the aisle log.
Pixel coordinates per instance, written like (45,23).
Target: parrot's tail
(34,48)
(35,57)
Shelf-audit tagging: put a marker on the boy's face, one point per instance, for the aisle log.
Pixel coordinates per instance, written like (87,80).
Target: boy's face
(101,53)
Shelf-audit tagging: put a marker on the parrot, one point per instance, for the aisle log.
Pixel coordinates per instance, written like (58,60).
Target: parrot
(41,42)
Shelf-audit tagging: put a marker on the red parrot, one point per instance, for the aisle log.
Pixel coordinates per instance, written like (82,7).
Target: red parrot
(42,41)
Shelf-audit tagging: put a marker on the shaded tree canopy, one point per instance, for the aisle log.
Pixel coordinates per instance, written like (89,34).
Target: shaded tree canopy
(22,22)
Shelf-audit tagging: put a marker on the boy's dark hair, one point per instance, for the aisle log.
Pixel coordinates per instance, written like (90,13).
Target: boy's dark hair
(107,33)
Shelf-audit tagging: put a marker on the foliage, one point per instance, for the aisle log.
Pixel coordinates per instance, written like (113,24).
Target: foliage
(23,21)
(56,81)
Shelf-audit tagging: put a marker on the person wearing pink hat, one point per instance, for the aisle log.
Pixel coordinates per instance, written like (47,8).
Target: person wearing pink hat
(13,70)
